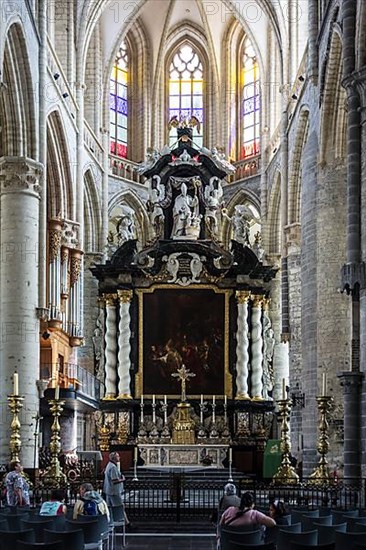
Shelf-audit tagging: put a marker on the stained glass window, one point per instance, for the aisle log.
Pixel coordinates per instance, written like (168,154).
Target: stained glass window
(186,91)
(118,104)
(250,101)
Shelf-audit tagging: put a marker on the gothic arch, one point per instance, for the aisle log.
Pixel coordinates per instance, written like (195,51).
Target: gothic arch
(274,216)
(92,214)
(59,180)
(17,107)
(294,181)
(333,116)
(138,90)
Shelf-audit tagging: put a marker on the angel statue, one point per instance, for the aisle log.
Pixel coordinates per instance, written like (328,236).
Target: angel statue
(154,208)
(152,157)
(241,221)
(213,198)
(126,229)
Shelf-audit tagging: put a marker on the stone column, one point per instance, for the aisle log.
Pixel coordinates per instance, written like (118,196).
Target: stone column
(74,300)
(242,345)
(351,383)
(110,347)
(124,346)
(256,349)
(20,196)
(54,270)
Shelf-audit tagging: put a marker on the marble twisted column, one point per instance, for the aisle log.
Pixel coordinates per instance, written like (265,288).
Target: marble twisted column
(242,345)
(124,346)
(110,347)
(256,349)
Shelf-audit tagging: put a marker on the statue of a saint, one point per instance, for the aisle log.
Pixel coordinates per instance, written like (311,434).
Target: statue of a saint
(156,213)
(213,197)
(126,230)
(186,217)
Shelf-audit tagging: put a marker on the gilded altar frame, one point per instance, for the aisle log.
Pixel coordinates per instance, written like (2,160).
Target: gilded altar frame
(226,375)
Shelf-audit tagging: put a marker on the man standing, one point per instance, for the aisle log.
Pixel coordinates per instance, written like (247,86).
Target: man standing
(113,483)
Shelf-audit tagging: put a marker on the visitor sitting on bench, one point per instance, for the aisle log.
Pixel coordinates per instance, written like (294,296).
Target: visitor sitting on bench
(245,515)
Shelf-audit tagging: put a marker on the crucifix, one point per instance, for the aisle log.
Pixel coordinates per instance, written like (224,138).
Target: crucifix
(183,374)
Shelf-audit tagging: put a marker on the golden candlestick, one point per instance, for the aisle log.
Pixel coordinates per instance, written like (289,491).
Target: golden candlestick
(54,474)
(321,474)
(285,474)
(15,403)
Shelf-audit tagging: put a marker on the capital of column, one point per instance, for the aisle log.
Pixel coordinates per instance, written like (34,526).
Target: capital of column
(124,296)
(353,273)
(257,300)
(242,296)
(293,235)
(110,299)
(54,238)
(19,175)
(351,382)
(75,265)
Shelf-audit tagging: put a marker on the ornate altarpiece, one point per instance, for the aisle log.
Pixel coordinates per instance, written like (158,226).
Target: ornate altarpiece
(185,299)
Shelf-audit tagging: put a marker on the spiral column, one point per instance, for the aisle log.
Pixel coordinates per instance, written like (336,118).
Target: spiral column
(110,347)
(124,346)
(256,349)
(242,345)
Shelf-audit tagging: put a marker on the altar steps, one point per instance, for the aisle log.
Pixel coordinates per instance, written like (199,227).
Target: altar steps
(206,474)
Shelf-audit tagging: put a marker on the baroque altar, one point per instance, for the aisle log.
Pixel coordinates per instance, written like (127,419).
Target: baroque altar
(194,293)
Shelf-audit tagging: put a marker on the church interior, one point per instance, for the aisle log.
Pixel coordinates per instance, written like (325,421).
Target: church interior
(183,242)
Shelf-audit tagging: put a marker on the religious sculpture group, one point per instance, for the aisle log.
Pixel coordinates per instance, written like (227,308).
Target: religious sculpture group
(172,306)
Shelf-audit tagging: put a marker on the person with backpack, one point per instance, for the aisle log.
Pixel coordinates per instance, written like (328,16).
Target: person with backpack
(55,506)
(89,503)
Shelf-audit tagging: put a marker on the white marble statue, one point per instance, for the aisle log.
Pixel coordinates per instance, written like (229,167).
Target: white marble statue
(213,199)
(156,213)
(186,217)
(126,229)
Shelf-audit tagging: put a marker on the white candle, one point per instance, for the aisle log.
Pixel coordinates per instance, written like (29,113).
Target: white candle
(201,399)
(142,399)
(16,383)
(213,399)
(57,392)
(165,400)
(225,399)
(324,388)
(153,400)
(135,454)
(230,455)
(283,388)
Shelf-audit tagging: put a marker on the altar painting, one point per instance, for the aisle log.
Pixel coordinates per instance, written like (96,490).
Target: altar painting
(184,326)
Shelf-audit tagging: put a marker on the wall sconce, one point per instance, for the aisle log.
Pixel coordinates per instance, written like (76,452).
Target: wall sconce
(65,95)
(56,76)
(298,399)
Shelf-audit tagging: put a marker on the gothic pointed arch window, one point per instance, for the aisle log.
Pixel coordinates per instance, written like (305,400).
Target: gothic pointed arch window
(185,90)
(250,104)
(118,103)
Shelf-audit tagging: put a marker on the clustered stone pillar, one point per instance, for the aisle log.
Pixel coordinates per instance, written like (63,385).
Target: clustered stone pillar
(20,196)
(351,383)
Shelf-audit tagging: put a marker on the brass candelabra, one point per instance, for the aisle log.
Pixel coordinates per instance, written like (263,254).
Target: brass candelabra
(54,474)
(321,475)
(15,403)
(285,474)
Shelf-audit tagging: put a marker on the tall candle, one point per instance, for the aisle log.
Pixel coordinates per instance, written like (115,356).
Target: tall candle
(225,400)
(153,399)
(213,399)
(57,392)
(135,454)
(165,400)
(324,388)
(16,383)
(201,399)
(142,399)
(230,455)
(283,388)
